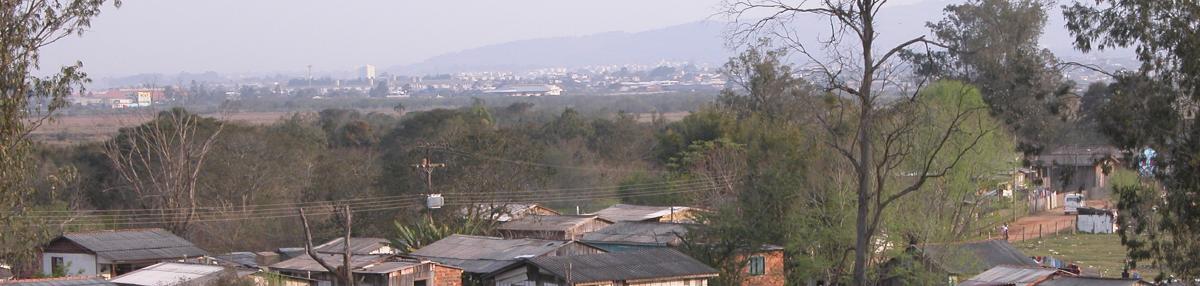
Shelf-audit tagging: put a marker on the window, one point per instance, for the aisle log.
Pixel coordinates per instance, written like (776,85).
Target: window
(56,265)
(758,265)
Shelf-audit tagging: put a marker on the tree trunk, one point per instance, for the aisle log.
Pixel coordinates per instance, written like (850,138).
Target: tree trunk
(862,240)
(864,229)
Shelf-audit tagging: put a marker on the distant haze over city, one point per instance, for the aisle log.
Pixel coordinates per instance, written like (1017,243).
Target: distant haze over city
(413,38)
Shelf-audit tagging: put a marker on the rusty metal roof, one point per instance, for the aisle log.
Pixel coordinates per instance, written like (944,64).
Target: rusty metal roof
(651,264)
(358,245)
(483,254)
(624,212)
(1011,275)
(639,233)
(370,264)
(1092,281)
(135,244)
(549,222)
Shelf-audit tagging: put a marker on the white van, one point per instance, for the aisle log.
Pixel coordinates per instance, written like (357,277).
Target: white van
(1072,203)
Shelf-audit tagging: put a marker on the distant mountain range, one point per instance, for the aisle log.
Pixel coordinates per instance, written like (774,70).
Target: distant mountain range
(698,42)
(693,42)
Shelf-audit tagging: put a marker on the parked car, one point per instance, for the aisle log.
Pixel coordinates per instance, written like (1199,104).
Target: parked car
(1072,203)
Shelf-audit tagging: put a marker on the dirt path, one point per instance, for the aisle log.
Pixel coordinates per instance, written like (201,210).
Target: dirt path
(1045,223)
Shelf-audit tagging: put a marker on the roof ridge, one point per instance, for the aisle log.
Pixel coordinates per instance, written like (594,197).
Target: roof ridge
(64,278)
(478,236)
(116,230)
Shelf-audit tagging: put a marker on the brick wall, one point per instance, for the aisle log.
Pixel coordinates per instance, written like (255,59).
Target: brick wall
(773,273)
(447,276)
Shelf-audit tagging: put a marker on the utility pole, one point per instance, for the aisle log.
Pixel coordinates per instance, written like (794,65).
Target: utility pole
(432,200)
(427,168)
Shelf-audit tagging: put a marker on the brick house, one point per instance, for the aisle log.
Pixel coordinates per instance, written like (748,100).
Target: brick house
(373,270)
(764,268)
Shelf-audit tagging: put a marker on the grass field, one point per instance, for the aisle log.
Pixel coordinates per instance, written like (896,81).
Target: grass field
(1102,253)
(65,130)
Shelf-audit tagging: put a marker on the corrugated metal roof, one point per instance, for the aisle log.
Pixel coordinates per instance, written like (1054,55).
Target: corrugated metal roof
(386,267)
(659,263)
(975,257)
(482,254)
(1091,281)
(640,233)
(1011,275)
(504,211)
(306,263)
(170,273)
(373,264)
(548,222)
(61,281)
(248,259)
(358,245)
(135,245)
(624,212)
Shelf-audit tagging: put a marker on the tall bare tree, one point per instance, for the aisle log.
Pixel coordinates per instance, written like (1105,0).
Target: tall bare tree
(27,101)
(344,274)
(880,136)
(161,161)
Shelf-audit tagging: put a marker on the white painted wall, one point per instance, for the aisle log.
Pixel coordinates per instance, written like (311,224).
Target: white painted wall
(76,263)
(1094,223)
(687,282)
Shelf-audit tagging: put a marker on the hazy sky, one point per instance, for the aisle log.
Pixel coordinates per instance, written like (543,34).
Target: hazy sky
(231,36)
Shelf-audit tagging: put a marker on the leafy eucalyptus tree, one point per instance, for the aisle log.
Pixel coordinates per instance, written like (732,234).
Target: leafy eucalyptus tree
(869,115)
(28,101)
(993,44)
(1165,36)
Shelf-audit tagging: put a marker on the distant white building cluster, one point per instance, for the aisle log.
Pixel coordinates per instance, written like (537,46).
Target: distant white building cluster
(367,81)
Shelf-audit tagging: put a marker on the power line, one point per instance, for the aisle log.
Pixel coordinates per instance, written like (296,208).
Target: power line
(396,206)
(495,196)
(406,197)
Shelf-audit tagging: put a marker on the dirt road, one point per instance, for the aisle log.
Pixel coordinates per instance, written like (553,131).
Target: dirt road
(1045,223)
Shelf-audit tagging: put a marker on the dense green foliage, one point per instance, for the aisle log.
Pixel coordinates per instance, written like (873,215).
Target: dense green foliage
(993,44)
(1159,216)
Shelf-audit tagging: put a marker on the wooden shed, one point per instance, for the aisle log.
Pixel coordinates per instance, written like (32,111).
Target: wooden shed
(553,227)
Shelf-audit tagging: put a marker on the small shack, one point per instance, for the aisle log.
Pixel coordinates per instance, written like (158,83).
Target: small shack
(503,212)
(480,257)
(1092,220)
(373,270)
(358,245)
(109,253)
(1073,168)
(553,227)
(637,235)
(624,212)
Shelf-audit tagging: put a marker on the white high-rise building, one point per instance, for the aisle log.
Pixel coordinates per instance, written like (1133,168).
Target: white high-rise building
(368,72)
